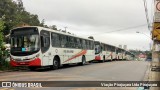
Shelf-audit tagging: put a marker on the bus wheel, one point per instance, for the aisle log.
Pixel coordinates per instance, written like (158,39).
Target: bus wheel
(103,59)
(32,68)
(83,60)
(55,63)
(111,58)
(91,61)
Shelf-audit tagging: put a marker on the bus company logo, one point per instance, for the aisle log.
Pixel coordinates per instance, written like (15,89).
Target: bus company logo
(6,84)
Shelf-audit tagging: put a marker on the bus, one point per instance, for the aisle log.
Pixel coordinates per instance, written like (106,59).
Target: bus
(129,56)
(121,53)
(35,47)
(104,52)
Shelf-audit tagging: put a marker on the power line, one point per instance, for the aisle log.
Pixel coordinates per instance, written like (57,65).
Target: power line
(123,29)
(152,10)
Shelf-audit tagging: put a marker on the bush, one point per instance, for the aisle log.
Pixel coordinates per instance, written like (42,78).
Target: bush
(4,63)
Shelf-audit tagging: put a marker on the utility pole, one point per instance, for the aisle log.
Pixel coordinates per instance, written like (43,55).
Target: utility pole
(156,37)
(155,63)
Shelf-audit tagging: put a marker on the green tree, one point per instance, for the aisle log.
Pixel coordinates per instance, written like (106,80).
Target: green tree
(14,14)
(54,27)
(1,33)
(91,37)
(1,40)
(42,23)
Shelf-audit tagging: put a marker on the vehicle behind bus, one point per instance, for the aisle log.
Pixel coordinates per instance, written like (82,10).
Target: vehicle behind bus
(104,52)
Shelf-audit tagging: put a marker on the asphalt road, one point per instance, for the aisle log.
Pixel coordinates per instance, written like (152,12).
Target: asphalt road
(108,71)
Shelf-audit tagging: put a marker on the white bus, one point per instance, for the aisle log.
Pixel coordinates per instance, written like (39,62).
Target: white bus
(35,46)
(104,52)
(121,53)
(129,56)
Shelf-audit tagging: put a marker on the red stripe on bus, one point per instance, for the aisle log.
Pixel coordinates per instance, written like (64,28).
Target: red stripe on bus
(109,55)
(77,55)
(35,62)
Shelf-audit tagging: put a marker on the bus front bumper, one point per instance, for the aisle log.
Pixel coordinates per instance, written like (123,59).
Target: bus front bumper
(35,62)
(97,57)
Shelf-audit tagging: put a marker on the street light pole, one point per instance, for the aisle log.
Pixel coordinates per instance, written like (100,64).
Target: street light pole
(144,34)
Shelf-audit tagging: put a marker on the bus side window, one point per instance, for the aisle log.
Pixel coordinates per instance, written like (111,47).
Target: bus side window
(76,42)
(45,40)
(42,41)
(67,42)
(55,40)
(101,48)
(72,42)
(63,41)
(79,43)
(92,45)
(88,44)
(116,51)
(83,44)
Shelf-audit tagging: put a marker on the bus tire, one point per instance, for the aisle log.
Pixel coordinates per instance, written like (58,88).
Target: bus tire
(83,61)
(103,59)
(91,61)
(111,58)
(56,63)
(31,68)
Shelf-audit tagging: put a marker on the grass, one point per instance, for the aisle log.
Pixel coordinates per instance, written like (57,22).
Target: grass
(6,66)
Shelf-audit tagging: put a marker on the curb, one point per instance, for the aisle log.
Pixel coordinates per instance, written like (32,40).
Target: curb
(1,71)
(146,77)
(6,71)
(12,70)
(147,73)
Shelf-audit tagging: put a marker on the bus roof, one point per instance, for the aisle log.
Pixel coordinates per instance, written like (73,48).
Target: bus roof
(111,45)
(51,30)
(105,43)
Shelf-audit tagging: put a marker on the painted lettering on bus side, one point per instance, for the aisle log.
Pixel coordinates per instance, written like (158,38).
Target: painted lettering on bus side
(68,51)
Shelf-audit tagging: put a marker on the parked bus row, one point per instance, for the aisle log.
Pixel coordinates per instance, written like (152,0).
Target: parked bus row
(35,47)
(106,52)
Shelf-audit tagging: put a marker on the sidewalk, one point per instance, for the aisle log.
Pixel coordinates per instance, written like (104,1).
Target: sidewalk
(5,71)
(154,76)
(1,71)
(15,69)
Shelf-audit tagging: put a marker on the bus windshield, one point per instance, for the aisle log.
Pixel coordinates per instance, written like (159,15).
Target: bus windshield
(97,48)
(24,44)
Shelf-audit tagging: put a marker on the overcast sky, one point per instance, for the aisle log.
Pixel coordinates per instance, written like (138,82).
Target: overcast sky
(97,18)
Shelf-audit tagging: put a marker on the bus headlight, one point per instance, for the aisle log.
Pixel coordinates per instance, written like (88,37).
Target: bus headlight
(37,56)
(11,58)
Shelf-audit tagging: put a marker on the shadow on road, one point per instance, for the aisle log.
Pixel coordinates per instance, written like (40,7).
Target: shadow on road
(63,67)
